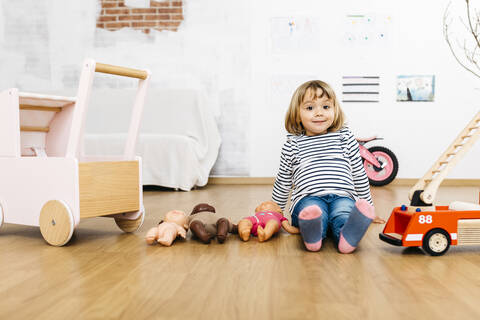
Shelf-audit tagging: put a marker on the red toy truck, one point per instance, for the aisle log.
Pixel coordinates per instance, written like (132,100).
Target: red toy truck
(435,228)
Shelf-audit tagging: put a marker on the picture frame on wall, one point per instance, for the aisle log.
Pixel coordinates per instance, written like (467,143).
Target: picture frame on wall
(415,88)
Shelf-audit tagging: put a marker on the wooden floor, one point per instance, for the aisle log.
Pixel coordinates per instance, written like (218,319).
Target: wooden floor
(105,274)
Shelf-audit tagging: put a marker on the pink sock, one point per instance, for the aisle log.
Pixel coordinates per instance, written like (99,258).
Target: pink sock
(344,246)
(310,223)
(357,224)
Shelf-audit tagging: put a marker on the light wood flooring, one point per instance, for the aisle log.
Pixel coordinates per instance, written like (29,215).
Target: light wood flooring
(106,274)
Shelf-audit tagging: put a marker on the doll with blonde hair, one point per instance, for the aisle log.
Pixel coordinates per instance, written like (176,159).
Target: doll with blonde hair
(320,164)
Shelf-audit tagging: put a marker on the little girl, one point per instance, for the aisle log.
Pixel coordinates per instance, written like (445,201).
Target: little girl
(321,162)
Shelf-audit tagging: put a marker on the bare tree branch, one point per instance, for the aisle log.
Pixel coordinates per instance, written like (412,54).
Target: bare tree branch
(470,55)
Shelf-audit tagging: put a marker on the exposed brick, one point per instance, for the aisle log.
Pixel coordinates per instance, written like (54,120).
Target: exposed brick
(162,15)
(117,25)
(117,11)
(109,5)
(143,24)
(169,23)
(159,4)
(170,10)
(107,18)
(176,16)
(157,17)
(144,10)
(130,17)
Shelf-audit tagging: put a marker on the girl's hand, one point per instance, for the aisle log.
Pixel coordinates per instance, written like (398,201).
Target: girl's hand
(378,220)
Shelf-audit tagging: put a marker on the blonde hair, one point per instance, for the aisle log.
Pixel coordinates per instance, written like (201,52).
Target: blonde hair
(292,119)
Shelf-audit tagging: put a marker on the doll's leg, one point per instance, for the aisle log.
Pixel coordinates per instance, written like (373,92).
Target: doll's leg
(271,227)
(222,229)
(198,229)
(166,236)
(355,227)
(152,235)
(244,229)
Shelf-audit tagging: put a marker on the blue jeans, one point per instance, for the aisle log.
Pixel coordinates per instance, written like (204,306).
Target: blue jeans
(335,212)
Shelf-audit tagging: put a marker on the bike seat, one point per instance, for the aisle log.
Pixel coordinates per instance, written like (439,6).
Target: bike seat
(367,139)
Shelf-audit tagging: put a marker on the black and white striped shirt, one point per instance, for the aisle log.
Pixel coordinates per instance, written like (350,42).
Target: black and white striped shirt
(329,163)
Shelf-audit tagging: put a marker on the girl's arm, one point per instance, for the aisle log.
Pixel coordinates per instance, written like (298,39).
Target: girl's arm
(283,181)
(360,179)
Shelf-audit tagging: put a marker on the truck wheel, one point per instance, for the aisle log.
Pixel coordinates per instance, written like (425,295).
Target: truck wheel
(436,242)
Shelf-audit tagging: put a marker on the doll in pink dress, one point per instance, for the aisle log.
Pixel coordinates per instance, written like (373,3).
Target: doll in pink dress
(266,222)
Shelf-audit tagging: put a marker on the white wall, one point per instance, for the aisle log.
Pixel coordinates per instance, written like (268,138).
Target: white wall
(225,48)
(43,43)
(418,132)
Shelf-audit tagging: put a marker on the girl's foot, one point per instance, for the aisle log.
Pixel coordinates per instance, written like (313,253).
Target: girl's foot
(357,224)
(310,223)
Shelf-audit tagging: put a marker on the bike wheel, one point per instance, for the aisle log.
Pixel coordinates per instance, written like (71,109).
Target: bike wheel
(387,159)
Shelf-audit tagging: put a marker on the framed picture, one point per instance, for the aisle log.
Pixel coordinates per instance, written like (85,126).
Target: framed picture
(416,88)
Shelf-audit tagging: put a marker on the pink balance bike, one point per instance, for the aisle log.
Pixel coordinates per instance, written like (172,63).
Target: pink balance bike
(380,163)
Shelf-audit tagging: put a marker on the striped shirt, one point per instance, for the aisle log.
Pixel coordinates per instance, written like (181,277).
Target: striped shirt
(329,163)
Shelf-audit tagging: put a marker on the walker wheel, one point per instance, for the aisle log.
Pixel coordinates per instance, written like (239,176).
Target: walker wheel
(129,226)
(56,223)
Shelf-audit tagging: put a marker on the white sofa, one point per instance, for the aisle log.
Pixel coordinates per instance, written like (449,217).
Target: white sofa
(178,140)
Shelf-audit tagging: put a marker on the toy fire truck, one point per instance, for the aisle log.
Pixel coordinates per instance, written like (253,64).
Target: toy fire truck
(435,228)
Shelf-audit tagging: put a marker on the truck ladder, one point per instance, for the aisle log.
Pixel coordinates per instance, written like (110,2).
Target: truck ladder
(424,191)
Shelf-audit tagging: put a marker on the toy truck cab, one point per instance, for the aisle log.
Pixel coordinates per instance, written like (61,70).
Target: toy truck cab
(433,228)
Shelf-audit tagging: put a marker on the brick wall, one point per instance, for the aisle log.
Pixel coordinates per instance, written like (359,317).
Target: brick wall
(162,15)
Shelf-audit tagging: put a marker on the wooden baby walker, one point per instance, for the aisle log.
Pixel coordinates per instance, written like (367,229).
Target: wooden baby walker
(47,181)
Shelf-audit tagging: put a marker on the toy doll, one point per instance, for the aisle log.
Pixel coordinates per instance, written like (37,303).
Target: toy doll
(174,224)
(205,224)
(267,221)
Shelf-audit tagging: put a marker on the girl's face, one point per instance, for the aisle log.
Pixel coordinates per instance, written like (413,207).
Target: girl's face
(316,112)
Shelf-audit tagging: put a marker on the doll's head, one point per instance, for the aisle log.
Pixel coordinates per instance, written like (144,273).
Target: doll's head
(178,217)
(202,207)
(268,206)
(314,109)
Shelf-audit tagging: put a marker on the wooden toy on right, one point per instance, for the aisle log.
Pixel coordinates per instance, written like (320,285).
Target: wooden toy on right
(435,228)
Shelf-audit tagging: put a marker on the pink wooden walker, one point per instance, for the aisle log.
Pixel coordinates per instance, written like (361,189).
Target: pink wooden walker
(45,178)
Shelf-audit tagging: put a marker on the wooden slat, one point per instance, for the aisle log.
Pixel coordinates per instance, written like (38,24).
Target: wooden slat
(468,232)
(45,100)
(424,208)
(396,235)
(40,108)
(108,188)
(34,129)
(121,71)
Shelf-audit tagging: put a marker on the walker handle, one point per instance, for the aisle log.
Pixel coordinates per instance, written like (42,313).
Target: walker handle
(121,71)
